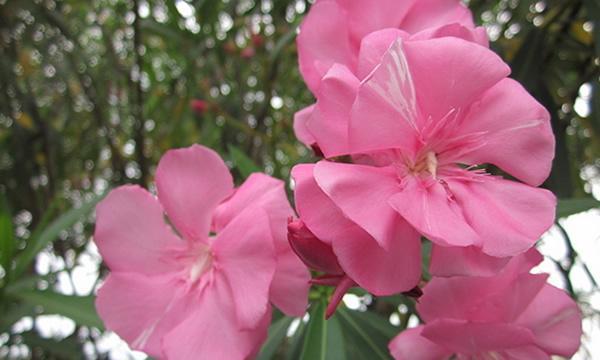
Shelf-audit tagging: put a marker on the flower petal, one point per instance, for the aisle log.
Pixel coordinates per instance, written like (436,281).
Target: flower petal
(449,261)
(324,40)
(290,285)
(427,206)
(380,271)
(411,345)
(434,13)
(300,130)
(210,330)
(373,46)
(191,183)
(329,121)
(362,193)
(131,233)
(477,35)
(367,16)
(515,215)
(450,73)
(518,136)
(555,321)
(140,309)
(244,253)
(472,338)
(385,114)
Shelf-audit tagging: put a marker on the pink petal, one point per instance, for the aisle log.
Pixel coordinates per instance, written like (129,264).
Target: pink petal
(362,193)
(410,345)
(324,39)
(131,233)
(310,200)
(472,338)
(518,138)
(426,205)
(515,215)
(373,46)
(479,299)
(380,271)
(477,35)
(290,284)
(464,261)
(367,16)
(526,353)
(434,13)
(244,253)
(385,114)
(450,73)
(210,330)
(555,321)
(300,130)
(140,309)
(191,183)
(329,120)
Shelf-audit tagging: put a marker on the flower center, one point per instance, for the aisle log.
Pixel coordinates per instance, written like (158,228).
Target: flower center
(202,260)
(426,163)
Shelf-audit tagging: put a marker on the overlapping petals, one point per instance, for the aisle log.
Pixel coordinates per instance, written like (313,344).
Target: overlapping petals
(415,127)
(181,292)
(510,315)
(333,29)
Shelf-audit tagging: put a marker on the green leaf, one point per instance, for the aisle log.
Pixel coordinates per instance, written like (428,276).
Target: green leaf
(572,206)
(324,339)
(78,308)
(242,162)
(277,333)
(65,349)
(44,236)
(365,339)
(7,237)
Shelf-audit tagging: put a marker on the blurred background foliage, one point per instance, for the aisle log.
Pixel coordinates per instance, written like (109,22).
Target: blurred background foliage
(92,93)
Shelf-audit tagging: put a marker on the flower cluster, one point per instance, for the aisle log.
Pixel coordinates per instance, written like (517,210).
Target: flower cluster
(412,113)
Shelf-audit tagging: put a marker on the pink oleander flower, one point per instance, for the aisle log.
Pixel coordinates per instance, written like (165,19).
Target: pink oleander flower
(183,289)
(332,30)
(417,128)
(513,315)
(342,32)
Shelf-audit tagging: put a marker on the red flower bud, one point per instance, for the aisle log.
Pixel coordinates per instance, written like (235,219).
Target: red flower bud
(313,252)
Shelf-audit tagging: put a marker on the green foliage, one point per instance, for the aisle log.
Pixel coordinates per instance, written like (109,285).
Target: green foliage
(567,207)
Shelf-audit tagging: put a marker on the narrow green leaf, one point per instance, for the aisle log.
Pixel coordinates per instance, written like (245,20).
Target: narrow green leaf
(315,342)
(277,333)
(78,308)
(66,349)
(7,238)
(242,162)
(43,237)
(572,206)
(324,338)
(363,339)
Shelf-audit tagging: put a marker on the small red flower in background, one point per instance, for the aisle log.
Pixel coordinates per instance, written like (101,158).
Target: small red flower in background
(198,106)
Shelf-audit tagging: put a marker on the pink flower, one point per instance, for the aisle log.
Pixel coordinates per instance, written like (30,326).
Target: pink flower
(512,315)
(184,294)
(417,127)
(333,29)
